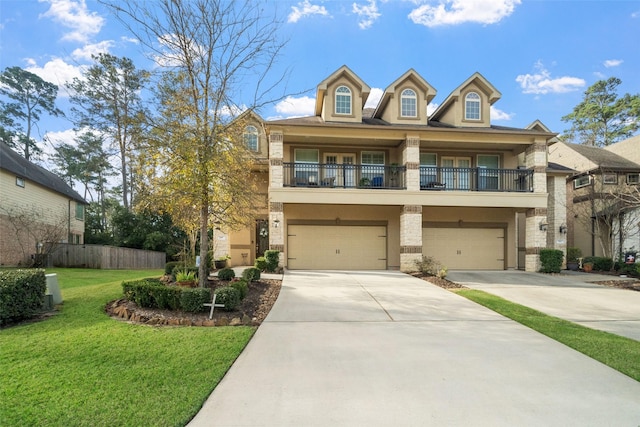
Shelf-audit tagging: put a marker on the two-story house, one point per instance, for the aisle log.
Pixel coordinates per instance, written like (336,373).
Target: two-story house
(37,210)
(600,221)
(356,188)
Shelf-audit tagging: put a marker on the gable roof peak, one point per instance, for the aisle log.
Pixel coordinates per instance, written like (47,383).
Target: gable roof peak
(411,74)
(343,71)
(492,93)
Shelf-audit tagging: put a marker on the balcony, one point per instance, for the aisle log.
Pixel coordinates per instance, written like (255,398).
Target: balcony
(433,178)
(317,175)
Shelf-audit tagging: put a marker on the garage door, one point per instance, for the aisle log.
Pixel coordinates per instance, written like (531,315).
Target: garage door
(333,247)
(465,248)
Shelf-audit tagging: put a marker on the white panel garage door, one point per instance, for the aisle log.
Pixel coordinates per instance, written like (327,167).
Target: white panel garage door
(336,247)
(465,248)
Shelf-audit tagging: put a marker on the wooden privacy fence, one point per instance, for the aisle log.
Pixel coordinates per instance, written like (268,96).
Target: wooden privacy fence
(106,257)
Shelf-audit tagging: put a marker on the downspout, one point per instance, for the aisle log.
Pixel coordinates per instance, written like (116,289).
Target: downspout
(69,222)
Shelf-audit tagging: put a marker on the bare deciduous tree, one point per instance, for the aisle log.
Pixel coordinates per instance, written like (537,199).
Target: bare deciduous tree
(218,51)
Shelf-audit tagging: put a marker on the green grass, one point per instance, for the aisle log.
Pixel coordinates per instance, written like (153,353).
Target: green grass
(81,367)
(620,353)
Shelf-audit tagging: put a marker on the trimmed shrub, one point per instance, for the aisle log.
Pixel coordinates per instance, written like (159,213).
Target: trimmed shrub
(193,300)
(251,274)
(168,267)
(140,291)
(573,254)
(273,259)
(599,263)
(228,296)
(241,285)
(628,269)
(430,266)
(261,263)
(226,274)
(166,297)
(21,294)
(551,260)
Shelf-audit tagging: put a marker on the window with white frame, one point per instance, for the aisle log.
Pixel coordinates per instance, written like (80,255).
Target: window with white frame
(251,137)
(408,103)
(428,169)
(472,106)
(633,178)
(372,168)
(610,178)
(20,181)
(487,171)
(79,211)
(306,166)
(343,100)
(582,181)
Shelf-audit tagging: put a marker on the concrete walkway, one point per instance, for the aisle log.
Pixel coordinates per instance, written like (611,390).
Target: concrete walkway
(568,296)
(387,349)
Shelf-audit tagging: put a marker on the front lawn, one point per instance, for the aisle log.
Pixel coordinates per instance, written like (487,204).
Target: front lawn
(81,367)
(620,353)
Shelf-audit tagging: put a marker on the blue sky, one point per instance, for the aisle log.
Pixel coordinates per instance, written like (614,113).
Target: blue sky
(541,55)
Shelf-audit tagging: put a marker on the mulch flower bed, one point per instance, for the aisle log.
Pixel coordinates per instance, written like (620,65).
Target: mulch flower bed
(253,309)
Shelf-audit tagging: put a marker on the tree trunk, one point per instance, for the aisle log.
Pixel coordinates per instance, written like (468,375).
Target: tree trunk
(203,270)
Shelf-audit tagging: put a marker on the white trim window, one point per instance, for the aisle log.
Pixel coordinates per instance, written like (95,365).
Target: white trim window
(306,166)
(582,181)
(488,165)
(633,178)
(372,168)
(250,137)
(343,100)
(610,178)
(20,181)
(408,103)
(472,106)
(79,211)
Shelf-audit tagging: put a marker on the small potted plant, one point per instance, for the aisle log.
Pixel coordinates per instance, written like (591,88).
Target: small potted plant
(221,262)
(572,258)
(587,267)
(186,279)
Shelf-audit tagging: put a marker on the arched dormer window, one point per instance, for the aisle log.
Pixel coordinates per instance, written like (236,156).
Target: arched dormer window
(408,103)
(343,100)
(472,106)
(251,138)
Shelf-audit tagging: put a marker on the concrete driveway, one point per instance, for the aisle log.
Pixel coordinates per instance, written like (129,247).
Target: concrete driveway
(568,296)
(387,349)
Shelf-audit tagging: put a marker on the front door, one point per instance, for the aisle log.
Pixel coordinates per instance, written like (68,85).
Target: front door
(456,172)
(262,236)
(340,169)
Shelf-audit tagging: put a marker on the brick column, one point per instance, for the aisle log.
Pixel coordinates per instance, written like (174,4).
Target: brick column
(410,237)
(411,159)
(536,159)
(557,213)
(536,239)
(276,229)
(276,151)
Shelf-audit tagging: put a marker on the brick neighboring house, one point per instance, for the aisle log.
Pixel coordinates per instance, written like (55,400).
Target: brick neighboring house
(356,188)
(37,210)
(595,209)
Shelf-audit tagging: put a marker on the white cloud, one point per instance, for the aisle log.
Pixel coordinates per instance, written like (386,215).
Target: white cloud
(612,62)
(304,9)
(543,83)
(368,14)
(453,12)
(75,16)
(130,40)
(374,97)
(431,108)
(635,14)
(497,114)
(296,107)
(84,53)
(56,71)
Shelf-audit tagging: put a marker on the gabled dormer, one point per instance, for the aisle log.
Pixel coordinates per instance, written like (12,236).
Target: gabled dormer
(469,105)
(405,100)
(341,97)
(253,132)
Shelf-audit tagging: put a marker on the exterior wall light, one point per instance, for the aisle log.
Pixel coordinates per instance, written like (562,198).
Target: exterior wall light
(563,229)
(543,225)
(276,223)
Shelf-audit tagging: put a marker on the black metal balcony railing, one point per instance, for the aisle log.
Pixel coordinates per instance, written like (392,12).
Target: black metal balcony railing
(316,175)
(343,176)
(476,179)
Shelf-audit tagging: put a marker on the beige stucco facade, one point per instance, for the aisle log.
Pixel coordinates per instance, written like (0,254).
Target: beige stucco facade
(399,184)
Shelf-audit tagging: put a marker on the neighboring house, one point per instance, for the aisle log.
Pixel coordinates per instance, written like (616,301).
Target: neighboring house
(37,210)
(356,188)
(600,223)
